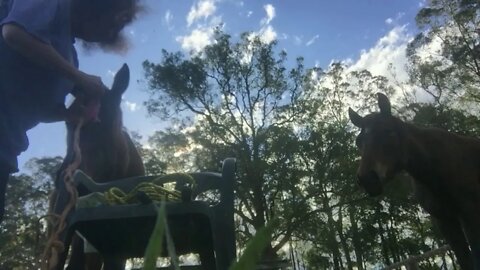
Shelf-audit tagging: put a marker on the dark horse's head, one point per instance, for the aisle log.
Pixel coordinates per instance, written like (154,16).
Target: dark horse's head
(380,143)
(110,112)
(103,143)
(109,115)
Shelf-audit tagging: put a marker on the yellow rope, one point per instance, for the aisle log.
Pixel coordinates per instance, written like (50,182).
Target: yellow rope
(152,189)
(155,192)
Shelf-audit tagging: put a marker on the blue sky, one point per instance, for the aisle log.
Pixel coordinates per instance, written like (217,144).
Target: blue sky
(364,33)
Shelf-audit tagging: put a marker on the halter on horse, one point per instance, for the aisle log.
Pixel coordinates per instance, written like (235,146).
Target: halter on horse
(445,168)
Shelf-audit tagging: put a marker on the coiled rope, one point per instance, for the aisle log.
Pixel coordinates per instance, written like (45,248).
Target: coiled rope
(115,196)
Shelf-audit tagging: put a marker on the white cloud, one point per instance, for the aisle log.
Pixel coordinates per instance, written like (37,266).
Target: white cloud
(249,13)
(111,73)
(168,18)
(395,20)
(197,40)
(389,50)
(312,40)
(388,58)
(202,34)
(270,10)
(131,106)
(268,34)
(202,9)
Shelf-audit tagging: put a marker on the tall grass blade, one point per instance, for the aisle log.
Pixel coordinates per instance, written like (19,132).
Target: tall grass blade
(253,251)
(154,248)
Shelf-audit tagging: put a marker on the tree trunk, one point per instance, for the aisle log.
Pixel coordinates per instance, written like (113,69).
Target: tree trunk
(356,238)
(292,256)
(392,240)
(333,244)
(383,240)
(393,235)
(343,239)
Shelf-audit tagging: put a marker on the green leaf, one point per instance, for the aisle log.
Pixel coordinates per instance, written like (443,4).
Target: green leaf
(255,246)
(171,248)
(154,248)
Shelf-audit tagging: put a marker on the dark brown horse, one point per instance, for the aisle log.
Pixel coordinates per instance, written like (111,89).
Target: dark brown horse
(445,168)
(107,154)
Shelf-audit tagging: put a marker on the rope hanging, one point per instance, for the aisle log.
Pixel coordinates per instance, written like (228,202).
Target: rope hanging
(54,246)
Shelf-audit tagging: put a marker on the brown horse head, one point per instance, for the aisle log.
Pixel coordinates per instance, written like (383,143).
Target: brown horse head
(109,106)
(110,112)
(107,150)
(380,143)
(112,99)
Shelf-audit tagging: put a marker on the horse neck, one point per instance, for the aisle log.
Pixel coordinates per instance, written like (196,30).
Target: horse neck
(104,150)
(419,158)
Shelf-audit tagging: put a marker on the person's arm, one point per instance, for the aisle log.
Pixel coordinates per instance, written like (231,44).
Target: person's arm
(45,55)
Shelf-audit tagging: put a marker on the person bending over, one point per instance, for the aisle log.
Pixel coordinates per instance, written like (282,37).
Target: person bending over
(39,65)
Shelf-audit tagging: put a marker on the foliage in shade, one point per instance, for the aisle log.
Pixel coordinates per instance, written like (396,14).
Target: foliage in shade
(450,74)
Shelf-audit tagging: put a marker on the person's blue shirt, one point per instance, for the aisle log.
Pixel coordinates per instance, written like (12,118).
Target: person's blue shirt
(29,93)
(49,21)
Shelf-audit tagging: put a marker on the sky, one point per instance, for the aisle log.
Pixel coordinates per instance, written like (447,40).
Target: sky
(367,34)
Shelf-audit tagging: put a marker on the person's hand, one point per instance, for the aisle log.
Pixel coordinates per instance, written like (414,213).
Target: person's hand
(75,112)
(91,86)
(83,109)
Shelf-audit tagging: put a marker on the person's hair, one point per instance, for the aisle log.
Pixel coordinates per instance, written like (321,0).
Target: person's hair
(94,9)
(98,8)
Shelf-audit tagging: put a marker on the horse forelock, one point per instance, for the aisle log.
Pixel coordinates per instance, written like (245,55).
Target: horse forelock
(377,121)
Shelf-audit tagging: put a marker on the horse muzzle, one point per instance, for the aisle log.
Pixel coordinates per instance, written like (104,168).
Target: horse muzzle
(371,183)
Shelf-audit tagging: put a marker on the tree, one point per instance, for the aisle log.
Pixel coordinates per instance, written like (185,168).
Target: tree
(244,101)
(453,120)
(23,231)
(445,57)
(164,152)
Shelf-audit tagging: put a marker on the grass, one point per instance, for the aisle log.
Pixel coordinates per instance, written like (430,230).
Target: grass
(155,244)
(254,249)
(247,261)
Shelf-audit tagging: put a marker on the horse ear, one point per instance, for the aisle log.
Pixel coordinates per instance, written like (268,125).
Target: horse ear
(384,104)
(356,119)
(121,80)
